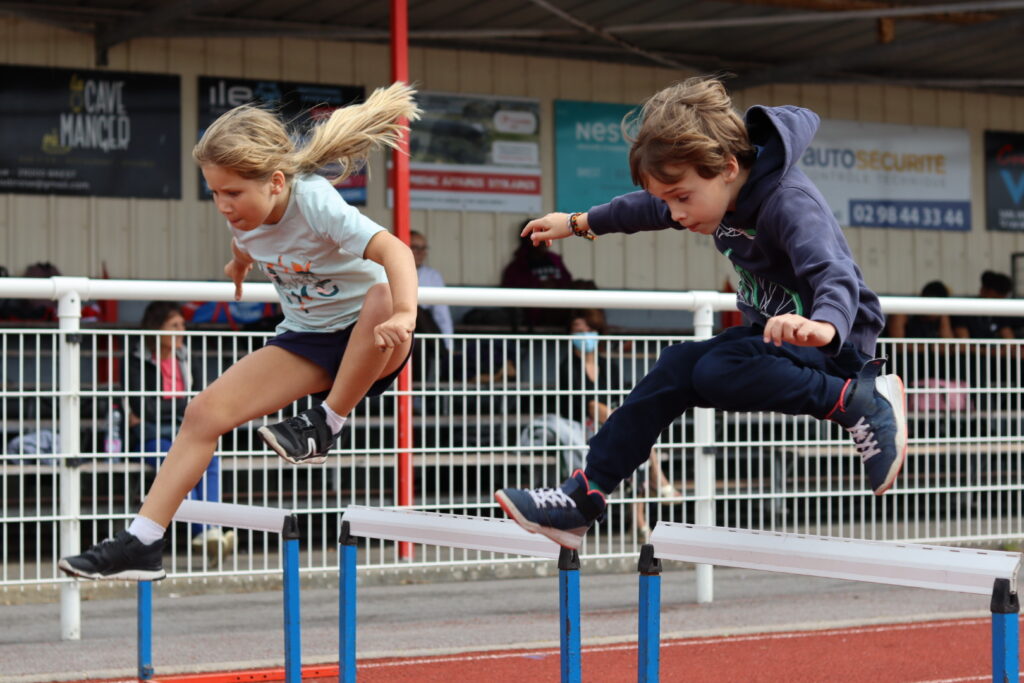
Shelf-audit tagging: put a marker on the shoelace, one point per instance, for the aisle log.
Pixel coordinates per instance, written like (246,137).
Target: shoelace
(300,423)
(551,497)
(864,439)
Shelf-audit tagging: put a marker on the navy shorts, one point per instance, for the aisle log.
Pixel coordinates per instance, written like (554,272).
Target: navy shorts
(326,350)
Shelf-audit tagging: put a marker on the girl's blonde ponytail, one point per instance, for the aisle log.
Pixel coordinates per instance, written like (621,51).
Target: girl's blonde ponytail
(351,132)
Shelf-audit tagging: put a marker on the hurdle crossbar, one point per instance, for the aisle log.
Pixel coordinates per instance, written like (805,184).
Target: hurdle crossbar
(962,570)
(232,515)
(455,531)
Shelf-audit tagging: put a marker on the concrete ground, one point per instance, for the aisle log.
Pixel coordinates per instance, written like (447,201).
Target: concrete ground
(225,630)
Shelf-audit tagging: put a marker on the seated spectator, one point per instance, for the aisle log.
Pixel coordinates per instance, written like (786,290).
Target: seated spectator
(430,319)
(439,314)
(485,361)
(535,266)
(937,386)
(158,376)
(993,286)
(923,326)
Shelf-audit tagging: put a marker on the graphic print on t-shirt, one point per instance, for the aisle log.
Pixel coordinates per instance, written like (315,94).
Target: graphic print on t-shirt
(298,283)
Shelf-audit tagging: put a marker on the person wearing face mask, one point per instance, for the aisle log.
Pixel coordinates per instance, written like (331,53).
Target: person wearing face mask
(589,384)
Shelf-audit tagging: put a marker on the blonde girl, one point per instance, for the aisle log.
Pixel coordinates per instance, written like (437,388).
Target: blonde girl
(347,289)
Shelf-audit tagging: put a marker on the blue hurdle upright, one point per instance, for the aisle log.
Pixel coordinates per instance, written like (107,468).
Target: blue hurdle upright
(963,570)
(454,531)
(266,519)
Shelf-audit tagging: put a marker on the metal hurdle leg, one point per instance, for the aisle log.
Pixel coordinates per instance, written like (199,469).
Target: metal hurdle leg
(458,531)
(246,517)
(649,636)
(292,620)
(569,611)
(347,606)
(145,629)
(1005,627)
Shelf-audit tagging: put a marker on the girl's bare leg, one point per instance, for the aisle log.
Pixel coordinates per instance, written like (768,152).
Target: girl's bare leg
(249,389)
(364,363)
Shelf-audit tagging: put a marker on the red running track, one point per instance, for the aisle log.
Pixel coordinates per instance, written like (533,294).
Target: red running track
(933,652)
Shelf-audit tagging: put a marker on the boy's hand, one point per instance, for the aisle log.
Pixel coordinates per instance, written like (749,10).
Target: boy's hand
(798,330)
(394,330)
(236,272)
(554,226)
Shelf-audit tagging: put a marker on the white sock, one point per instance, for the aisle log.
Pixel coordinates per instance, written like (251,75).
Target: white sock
(334,421)
(146,530)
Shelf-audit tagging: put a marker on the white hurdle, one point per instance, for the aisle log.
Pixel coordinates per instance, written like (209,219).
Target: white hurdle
(454,531)
(271,520)
(962,570)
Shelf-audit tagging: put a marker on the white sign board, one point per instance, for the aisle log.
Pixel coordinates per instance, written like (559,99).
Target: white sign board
(880,175)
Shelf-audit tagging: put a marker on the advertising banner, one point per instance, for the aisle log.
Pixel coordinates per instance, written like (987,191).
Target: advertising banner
(476,153)
(300,105)
(89,133)
(1004,180)
(879,175)
(591,156)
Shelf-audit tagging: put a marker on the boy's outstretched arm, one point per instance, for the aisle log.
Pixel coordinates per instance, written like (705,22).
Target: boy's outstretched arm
(390,252)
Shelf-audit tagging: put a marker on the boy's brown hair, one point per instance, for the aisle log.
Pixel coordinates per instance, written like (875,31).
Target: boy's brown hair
(690,123)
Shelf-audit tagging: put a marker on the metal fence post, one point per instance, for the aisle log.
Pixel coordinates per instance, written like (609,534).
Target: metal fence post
(69,313)
(704,458)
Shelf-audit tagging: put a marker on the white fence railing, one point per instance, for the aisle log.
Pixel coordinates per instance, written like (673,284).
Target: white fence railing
(480,420)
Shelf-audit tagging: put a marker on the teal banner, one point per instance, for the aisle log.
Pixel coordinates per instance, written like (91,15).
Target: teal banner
(591,156)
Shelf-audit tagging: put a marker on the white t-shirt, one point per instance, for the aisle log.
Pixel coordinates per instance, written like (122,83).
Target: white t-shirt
(314,257)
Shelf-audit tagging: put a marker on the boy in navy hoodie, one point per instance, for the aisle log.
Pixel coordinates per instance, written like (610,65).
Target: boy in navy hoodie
(813,322)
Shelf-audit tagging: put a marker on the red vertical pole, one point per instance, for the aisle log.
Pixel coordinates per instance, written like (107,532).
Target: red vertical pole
(400,193)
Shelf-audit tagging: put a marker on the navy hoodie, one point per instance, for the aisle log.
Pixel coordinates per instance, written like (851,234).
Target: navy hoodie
(782,238)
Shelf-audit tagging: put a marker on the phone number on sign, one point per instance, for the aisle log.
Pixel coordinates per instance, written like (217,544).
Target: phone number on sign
(935,215)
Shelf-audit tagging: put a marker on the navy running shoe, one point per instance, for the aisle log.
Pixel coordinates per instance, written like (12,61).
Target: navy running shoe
(564,514)
(122,557)
(301,440)
(873,408)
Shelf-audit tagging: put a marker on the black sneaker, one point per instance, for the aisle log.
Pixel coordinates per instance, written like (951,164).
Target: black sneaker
(873,409)
(122,557)
(303,439)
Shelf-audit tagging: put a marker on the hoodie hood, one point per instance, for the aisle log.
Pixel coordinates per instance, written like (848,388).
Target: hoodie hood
(781,135)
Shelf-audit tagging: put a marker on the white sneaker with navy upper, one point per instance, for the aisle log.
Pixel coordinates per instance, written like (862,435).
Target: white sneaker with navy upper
(873,408)
(564,514)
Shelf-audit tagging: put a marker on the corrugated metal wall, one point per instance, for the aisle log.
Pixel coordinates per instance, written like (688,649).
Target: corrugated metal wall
(187,240)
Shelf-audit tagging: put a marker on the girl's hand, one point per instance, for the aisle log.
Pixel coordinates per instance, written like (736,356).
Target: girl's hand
(798,330)
(554,226)
(236,272)
(238,267)
(394,331)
